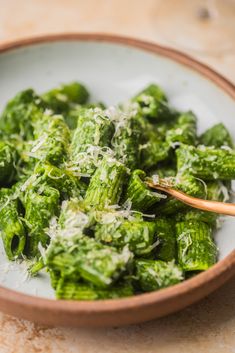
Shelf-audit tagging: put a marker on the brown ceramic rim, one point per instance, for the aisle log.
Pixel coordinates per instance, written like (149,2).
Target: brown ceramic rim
(141,307)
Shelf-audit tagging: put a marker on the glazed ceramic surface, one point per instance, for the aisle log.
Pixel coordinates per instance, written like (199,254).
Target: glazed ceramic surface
(112,72)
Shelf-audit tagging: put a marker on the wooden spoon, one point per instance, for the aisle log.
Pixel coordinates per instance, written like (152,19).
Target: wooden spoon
(205,205)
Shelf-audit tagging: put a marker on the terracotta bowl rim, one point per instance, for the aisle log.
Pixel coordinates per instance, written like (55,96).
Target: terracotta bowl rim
(224,268)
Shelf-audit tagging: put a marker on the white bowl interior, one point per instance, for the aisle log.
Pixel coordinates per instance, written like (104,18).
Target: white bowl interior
(112,73)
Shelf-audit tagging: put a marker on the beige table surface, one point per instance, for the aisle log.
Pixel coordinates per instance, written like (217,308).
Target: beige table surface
(206,327)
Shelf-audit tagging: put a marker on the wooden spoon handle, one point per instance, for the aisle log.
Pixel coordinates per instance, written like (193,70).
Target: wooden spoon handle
(206,205)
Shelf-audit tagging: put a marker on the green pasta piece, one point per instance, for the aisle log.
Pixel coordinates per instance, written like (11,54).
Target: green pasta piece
(186,183)
(216,191)
(71,290)
(71,117)
(184,131)
(19,113)
(72,217)
(197,215)
(63,180)
(39,209)
(153,103)
(153,152)
(36,267)
(166,251)
(91,139)
(61,98)
(25,164)
(153,148)
(54,277)
(93,128)
(139,235)
(165,171)
(8,159)
(156,274)
(106,184)
(196,249)
(162,127)
(140,195)
(148,130)
(11,226)
(217,136)
(52,140)
(127,138)
(84,257)
(19,193)
(27,150)
(206,162)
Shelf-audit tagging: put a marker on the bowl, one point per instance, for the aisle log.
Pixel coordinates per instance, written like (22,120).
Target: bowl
(114,68)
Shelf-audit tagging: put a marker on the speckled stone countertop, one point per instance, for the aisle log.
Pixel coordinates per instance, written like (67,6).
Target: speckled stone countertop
(206,327)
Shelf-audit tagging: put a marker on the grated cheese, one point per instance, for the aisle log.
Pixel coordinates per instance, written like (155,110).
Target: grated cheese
(42,250)
(156,179)
(39,142)
(224,191)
